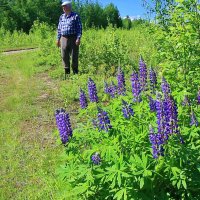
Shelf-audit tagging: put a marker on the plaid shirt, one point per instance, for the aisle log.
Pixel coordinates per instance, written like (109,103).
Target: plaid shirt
(69,25)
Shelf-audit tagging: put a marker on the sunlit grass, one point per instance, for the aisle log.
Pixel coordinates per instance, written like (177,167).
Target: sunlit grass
(29,152)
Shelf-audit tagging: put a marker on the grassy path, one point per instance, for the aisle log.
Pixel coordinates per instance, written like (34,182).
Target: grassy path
(29,153)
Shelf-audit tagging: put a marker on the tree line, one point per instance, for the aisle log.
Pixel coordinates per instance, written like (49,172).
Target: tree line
(20,14)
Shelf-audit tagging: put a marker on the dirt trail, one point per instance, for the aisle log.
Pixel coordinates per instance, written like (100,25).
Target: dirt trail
(14,51)
(29,149)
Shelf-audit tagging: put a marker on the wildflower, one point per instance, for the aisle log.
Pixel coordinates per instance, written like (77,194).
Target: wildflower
(159,114)
(96,158)
(112,90)
(142,73)
(121,82)
(153,79)
(83,99)
(193,119)
(157,143)
(165,87)
(136,89)
(127,110)
(92,91)
(103,120)
(170,115)
(63,124)
(152,104)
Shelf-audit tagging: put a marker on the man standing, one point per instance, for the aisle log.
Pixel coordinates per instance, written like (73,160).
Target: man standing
(68,37)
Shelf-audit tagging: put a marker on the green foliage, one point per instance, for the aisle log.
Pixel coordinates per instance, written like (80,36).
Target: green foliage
(178,41)
(17,39)
(127,169)
(102,50)
(29,154)
(127,23)
(20,15)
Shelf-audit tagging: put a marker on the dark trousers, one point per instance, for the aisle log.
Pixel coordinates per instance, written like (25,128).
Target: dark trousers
(68,49)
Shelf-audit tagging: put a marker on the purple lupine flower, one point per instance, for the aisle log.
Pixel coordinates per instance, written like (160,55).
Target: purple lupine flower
(92,91)
(165,87)
(159,114)
(170,116)
(157,143)
(121,82)
(136,89)
(96,158)
(152,104)
(174,117)
(198,97)
(193,119)
(106,87)
(112,90)
(142,73)
(103,120)
(63,124)
(153,79)
(186,101)
(83,99)
(127,110)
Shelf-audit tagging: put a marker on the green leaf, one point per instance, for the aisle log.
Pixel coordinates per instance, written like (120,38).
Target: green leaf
(141,183)
(179,184)
(119,180)
(119,194)
(184,184)
(144,160)
(113,182)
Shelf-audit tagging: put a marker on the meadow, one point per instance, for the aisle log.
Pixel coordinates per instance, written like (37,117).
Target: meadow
(130,117)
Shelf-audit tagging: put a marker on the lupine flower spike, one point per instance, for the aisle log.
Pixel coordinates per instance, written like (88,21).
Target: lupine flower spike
(156,142)
(159,114)
(92,91)
(96,158)
(63,124)
(170,116)
(83,99)
(103,120)
(136,89)
(152,104)
(110,89)
(121,82)
(113,90)
(127,110)
(142,73)
(165,87)
(153,79)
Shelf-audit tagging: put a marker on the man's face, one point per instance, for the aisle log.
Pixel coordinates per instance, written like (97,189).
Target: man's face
(67,8)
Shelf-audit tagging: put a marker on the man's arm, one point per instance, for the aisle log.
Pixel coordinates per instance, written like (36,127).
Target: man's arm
(59,32)
(78,30)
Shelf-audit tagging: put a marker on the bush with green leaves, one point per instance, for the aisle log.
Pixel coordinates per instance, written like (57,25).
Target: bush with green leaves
(177,39)
(142,143)
(101,50)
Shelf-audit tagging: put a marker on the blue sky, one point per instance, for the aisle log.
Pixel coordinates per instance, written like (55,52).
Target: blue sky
(127,7)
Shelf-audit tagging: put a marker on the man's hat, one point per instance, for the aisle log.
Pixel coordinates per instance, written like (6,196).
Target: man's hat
(65,2)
